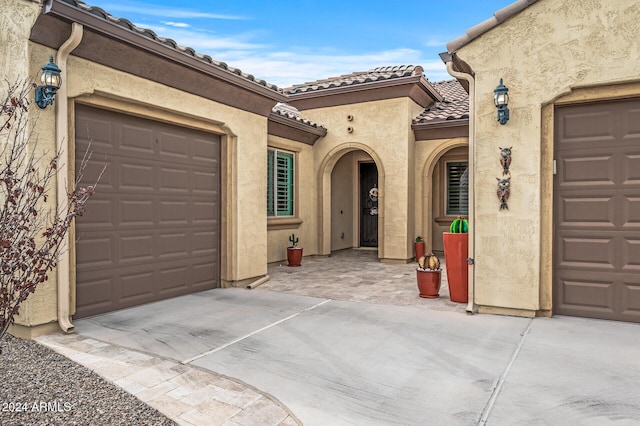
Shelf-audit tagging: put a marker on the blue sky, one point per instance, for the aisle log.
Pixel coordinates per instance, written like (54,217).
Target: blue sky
(289,42)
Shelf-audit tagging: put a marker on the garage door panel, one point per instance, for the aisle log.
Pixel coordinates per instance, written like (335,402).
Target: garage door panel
(631,168)
(587,210)
(174,179)
(591,253)
(205,151)
(154,235)
(202,273)
(174,145)
(204,181)
(631,300)
(99,213)
(202,213)
(136,287)
(631,122)
(597,211)
(175,211)
(598,169)
(631,213)
(631,254)
(137,248)
(96,295)
(580,126)
(174,244)
(97,250)
(136,176)
(136,213)
(203,242)
(136,140)
(590,294)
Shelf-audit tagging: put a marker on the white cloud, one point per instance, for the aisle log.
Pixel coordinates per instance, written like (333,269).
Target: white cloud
(176,24)
(146,10)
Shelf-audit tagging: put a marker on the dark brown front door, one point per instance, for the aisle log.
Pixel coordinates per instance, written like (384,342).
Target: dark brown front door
(597,211)
(368,205)
(151,232)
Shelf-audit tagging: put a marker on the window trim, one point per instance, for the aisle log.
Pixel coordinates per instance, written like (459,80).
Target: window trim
(445,181)
(293,221)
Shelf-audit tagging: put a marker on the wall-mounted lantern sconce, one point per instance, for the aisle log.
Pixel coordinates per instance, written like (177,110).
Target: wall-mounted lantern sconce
(501,99)
(51,81)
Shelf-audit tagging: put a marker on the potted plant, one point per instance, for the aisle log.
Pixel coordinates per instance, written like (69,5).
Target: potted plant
(294,253)
(418,247)
(456,252)
(428,274)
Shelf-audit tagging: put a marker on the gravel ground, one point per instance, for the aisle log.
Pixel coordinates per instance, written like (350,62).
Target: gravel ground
(41,387)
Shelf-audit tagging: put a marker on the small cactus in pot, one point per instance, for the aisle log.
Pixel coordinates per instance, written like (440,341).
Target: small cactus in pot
(429,262)
(428,276)
(294,253)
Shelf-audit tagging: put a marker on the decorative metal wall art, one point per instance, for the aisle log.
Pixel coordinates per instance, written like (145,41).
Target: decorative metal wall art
(504,184)
(505,160)
(504,191)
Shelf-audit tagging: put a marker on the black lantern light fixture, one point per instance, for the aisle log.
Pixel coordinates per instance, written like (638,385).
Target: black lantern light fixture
(51,81)
(501,99)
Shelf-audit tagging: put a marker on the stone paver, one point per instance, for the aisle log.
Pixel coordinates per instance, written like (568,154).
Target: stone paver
(189,395)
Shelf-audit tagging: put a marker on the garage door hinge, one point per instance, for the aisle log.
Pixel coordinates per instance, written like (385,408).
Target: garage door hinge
(555,170)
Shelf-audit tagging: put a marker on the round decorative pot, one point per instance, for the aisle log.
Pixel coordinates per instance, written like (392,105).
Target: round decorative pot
(294,256)
(428,284)
(418,247)
(456,252)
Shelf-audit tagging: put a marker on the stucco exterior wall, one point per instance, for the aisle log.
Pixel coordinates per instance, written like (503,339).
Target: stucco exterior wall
(16,20)
(428,154)
(380,129)
(304,204)
(542,53)
(244,136)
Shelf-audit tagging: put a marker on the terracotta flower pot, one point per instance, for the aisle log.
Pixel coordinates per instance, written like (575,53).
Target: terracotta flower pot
(418,247)
(294,256)
(456,252)
(428,283)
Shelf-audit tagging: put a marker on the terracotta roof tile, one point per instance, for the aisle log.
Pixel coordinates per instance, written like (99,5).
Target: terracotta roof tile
(375,74)
(455,105)
(125,23)
(292,112)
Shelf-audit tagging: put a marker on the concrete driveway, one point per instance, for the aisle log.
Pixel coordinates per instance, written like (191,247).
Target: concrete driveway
(342,362)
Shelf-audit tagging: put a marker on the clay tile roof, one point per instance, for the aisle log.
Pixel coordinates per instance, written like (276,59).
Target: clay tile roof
(455,105)
(292,112)
(375,74)
(125,23)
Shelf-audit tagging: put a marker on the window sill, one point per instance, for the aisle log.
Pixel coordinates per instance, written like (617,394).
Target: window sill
(445,220)
(283,223)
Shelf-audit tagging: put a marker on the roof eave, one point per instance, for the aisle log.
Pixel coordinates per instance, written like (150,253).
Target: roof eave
(64,11)
(292,122)
(498,17)
(418,80)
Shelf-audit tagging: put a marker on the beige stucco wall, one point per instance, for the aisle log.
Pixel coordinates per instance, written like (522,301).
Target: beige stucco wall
(382,130)
(543,53)
(244,136)
(304,226)
(428,154)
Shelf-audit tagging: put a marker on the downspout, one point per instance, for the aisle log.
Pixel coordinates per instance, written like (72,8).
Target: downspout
(62,141)
(471,306)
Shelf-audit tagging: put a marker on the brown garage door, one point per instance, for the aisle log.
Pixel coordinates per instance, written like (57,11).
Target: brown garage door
(152,230)
(597,211)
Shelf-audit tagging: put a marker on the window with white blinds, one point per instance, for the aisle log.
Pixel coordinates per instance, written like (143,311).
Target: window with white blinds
(279,183)
(457,196)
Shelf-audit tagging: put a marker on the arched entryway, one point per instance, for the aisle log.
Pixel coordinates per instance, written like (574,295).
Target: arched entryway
(443,180)
(351,199)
